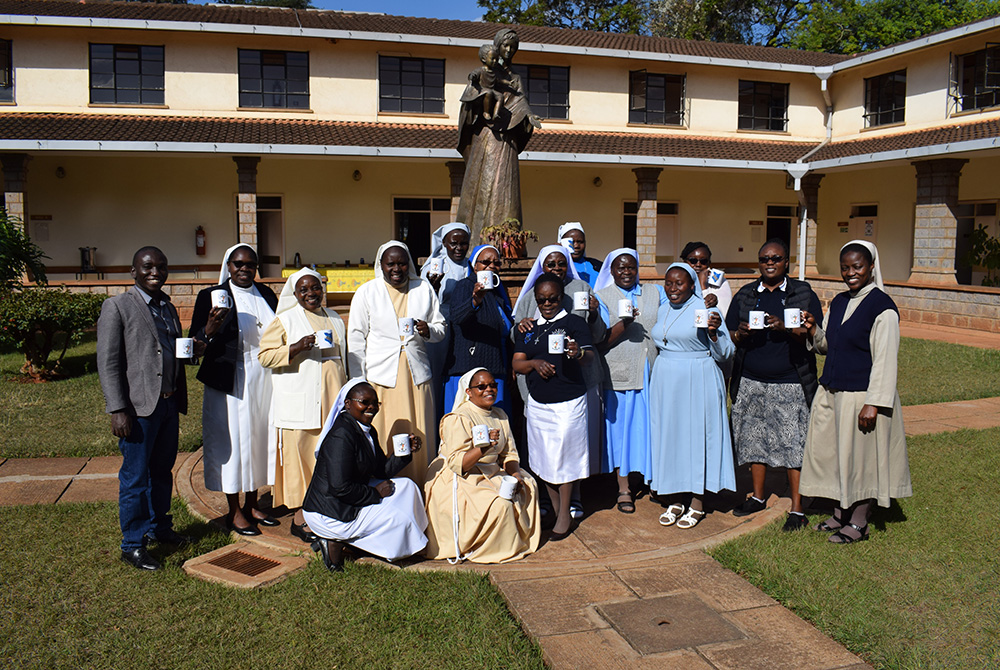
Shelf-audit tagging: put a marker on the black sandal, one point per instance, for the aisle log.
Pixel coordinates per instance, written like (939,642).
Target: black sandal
(628,506)
(840,538)
(825,527)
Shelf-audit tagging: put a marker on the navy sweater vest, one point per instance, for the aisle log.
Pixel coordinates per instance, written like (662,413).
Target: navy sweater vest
(849,355)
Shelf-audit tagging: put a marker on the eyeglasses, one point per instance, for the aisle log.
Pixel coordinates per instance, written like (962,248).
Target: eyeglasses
(483,387)
(694,260)
(366,403)
(488,262)
(249,265)
(546,301)
(770,259)
(557,264)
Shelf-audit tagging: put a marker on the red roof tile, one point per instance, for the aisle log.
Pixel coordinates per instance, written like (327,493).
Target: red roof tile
(120,128)
(910,140)
(381,23)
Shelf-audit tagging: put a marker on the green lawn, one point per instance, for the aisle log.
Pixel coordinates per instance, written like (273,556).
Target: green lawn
(922,592)
(68,602)
(66,417)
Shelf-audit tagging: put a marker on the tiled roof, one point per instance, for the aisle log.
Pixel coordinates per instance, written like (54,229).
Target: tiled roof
(295,132)
(380,23)
(914,139)
(209,130)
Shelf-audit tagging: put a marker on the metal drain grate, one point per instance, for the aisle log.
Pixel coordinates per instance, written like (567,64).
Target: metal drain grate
(244,563)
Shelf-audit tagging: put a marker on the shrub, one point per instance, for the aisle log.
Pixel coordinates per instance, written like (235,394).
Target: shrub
(31,319)
(18,254)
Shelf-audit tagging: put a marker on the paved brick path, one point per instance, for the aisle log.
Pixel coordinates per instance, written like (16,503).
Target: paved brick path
(621,591)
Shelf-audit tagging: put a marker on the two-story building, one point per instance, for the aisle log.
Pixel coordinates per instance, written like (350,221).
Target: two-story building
(323,134)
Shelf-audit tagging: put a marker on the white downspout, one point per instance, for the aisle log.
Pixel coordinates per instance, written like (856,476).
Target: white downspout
(800,168)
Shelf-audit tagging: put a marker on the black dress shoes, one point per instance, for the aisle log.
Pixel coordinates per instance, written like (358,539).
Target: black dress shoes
(249,531)
(139,558)
(268,520)
(170,536)
(332,552)
(301,532)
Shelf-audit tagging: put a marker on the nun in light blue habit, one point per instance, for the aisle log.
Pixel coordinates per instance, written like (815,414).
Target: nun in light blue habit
(691,447)
(628,358)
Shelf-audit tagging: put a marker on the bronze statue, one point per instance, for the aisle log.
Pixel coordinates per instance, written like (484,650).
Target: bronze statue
(494,126)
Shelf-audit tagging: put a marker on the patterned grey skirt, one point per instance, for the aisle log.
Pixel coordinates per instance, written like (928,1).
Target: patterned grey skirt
(770,422)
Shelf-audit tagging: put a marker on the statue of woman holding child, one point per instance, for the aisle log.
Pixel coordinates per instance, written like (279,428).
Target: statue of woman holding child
(495,125)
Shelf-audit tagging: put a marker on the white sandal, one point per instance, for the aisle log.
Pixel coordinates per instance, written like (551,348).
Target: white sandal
(669,518)
(689,520)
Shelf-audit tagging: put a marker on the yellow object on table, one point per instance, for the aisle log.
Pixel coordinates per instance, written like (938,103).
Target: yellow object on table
(347,280)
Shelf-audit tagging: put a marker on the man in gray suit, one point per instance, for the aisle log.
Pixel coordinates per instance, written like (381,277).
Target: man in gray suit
(144,391)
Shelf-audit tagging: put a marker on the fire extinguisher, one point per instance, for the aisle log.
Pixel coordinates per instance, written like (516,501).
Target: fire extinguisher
(199,241)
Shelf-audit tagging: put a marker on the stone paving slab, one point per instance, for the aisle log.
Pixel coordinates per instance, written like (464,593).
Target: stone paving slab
(34,492)
(89,490)
(41,467)
(102,465)
(559,605)
(970,338)
(951,416)
(606,650)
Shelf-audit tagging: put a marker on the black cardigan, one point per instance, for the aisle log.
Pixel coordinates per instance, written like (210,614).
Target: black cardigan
(346,463)
(218,367)
(804,361)
(477,334)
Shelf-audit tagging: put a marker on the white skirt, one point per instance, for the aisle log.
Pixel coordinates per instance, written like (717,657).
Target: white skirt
(558,440)
(392,529)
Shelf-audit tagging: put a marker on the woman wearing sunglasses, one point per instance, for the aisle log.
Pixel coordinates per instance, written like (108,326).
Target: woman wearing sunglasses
(480,322)
(239,451)
(773,380)
(468,518)
(714,284)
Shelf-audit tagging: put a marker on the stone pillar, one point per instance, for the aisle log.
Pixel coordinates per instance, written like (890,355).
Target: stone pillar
(645,223)
(935,228)
(456,171)
(246,198)
(15,186)
(809,198)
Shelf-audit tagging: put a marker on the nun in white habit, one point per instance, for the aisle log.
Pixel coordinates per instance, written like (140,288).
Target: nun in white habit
(306,374)
(239,444)
(354,496)
(393,319)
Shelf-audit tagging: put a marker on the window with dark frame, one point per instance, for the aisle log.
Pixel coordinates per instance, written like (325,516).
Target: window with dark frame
(6,72)
(126,74)
(975,91)
(411,85)
(547,88)
(274,79)
(763,105)
(656,99)
(885,99)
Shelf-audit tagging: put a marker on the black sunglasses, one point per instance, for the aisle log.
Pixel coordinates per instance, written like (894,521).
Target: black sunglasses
(694,260)
(249,265)
(770,259)
(545,301)
(483,387)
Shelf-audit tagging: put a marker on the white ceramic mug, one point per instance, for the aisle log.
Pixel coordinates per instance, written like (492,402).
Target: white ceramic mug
(625,309)
(435,266)
(324,339)
(185,347)
(508,485)
(481,435)
(401,444)
(220,298)
(567,242)
(757,320)
(793,317)
(581,301)
(557,343)
(406,326)
(488,279)
(701,318)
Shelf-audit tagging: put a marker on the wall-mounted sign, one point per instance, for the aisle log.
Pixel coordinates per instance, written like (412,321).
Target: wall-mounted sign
(40,217)
(756,223)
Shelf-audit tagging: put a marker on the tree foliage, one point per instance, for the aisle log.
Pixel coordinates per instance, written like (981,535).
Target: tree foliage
(600,15)
(32,319)
(18,254)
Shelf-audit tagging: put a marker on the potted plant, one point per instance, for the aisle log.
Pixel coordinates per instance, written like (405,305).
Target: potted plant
(509,238)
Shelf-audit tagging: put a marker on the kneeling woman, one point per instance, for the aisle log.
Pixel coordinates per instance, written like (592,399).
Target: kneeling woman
(352,498)
(552,355)
(465,510)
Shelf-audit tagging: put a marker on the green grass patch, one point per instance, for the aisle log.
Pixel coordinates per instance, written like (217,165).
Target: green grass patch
(68,602)
(66,417)
(931,372)
(922,592)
